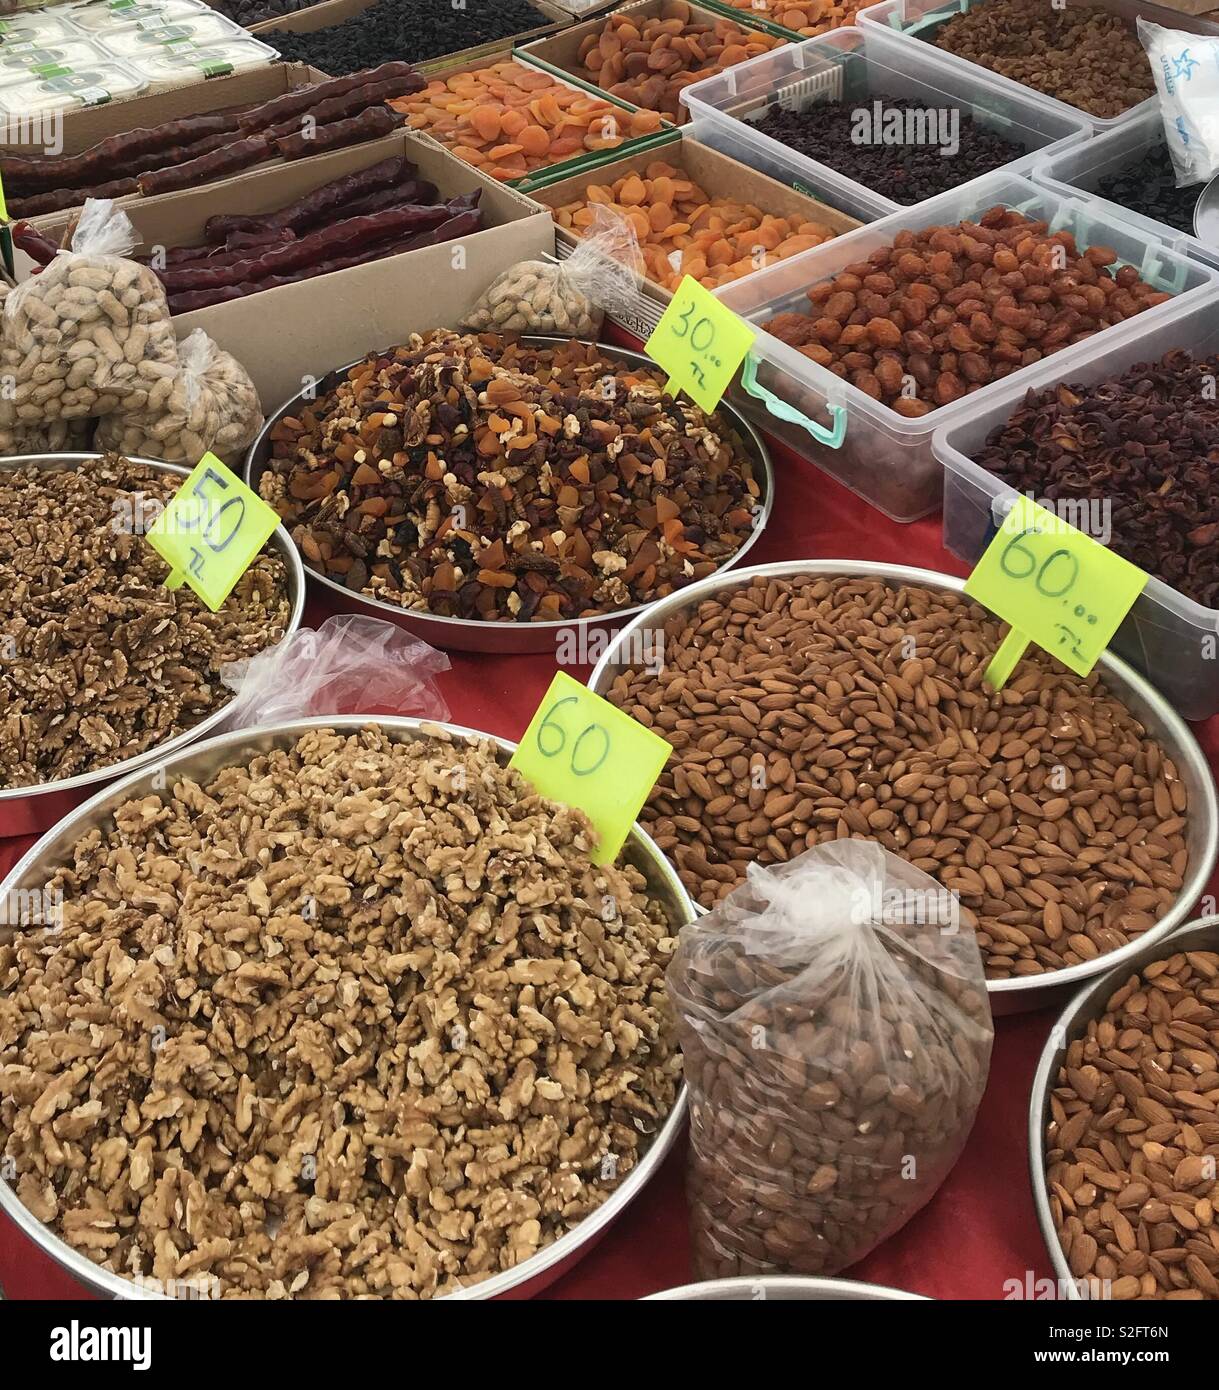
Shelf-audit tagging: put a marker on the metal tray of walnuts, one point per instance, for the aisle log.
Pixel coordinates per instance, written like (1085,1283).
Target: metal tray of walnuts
(1089,1003)
(29,810)
(1026,992)
(478,635)
(776,1288)
(201,762)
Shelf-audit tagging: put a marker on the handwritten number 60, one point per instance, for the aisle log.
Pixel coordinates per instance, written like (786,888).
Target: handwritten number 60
(1017,549)
(595,732)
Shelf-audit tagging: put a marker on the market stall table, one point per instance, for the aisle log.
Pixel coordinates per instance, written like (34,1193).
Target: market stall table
(978,1237)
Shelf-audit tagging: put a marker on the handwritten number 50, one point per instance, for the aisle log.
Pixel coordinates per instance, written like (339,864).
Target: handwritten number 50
(552,740)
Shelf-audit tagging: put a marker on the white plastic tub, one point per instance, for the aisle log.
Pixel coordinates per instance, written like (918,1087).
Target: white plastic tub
(883,456)
(852,65)
(94,85)
(916,21)
(1071,172)
(1173,640)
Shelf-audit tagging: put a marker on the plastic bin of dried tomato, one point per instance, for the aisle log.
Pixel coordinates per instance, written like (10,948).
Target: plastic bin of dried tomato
(1134,459)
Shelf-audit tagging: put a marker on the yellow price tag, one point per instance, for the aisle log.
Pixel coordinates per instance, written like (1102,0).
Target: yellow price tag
(1055,586)
(3,204)
(699,343)
(581,750)
(211,530)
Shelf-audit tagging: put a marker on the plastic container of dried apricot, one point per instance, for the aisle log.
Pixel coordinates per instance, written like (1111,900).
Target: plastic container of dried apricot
(886,457)
(715,175)
(522,120)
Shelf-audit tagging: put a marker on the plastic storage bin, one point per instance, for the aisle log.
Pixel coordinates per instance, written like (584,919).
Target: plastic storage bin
(101,16)
(1170,638)
(139,40)
(916,21)
(850,65)
(1075,171)
(883,456)
(173,64)
(94,85)
(29,30)
(40,59)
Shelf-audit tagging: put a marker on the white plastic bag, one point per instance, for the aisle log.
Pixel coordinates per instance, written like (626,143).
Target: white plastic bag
(349,665)
(836,1032)
(90,332)
(602,274)
(209,404)
(1186,71)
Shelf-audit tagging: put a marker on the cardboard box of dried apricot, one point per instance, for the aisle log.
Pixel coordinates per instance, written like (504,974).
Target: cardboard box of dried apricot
(695,212)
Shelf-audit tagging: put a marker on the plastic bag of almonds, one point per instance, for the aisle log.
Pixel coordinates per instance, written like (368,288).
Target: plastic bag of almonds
(88,333)
(837,1035)
(210,403)
(570,296)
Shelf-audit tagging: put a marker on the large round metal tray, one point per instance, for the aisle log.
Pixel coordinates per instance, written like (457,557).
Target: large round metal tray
(31,810)
(204,761)
(1089,1003)
(476,634)
(1139,696)
(774,1288)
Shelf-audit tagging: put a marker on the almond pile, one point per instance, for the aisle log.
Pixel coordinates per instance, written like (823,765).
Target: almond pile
(1133,1139)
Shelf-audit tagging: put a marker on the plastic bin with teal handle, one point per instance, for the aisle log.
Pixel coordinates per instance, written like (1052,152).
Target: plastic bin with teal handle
(885,457)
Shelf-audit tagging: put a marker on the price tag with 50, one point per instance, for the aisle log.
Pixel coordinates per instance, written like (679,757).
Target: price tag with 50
(1055,586)
(211,530)
(582,751)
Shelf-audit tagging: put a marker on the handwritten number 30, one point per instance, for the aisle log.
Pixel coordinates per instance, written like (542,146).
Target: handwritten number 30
(550,726)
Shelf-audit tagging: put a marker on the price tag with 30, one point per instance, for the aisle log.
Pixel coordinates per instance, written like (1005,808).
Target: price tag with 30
(700,344)
(1055,586)
(211,530)
(581,750)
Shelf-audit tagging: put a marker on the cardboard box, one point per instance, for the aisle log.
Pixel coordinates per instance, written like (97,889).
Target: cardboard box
(285,336)
(588,160)
(336,11)
(93,123)
(717,174)
(560,53)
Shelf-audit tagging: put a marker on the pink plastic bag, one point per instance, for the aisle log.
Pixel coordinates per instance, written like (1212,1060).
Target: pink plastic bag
(349,665)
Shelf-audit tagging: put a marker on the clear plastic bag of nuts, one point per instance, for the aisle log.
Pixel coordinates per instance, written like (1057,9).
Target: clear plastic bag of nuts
(209,404)
(88,333)
(836,1032)
(571,296)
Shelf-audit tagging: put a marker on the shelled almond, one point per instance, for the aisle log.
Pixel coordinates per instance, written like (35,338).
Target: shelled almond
(683,230)
(509,120)
(649,60)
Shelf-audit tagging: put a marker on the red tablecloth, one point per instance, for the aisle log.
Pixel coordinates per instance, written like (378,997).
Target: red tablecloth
(980,1230)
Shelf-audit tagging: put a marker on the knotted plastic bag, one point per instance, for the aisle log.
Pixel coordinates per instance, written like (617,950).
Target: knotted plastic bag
(90,332)
(836,1032)
(350,665)
(210,403)
(572,296)
(1186,71)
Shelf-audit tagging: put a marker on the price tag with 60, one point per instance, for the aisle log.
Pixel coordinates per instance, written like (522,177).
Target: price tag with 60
(699,343)
(581,750)
(1055,586)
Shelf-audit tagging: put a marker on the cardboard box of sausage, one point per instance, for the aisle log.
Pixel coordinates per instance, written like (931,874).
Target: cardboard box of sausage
(290,335)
